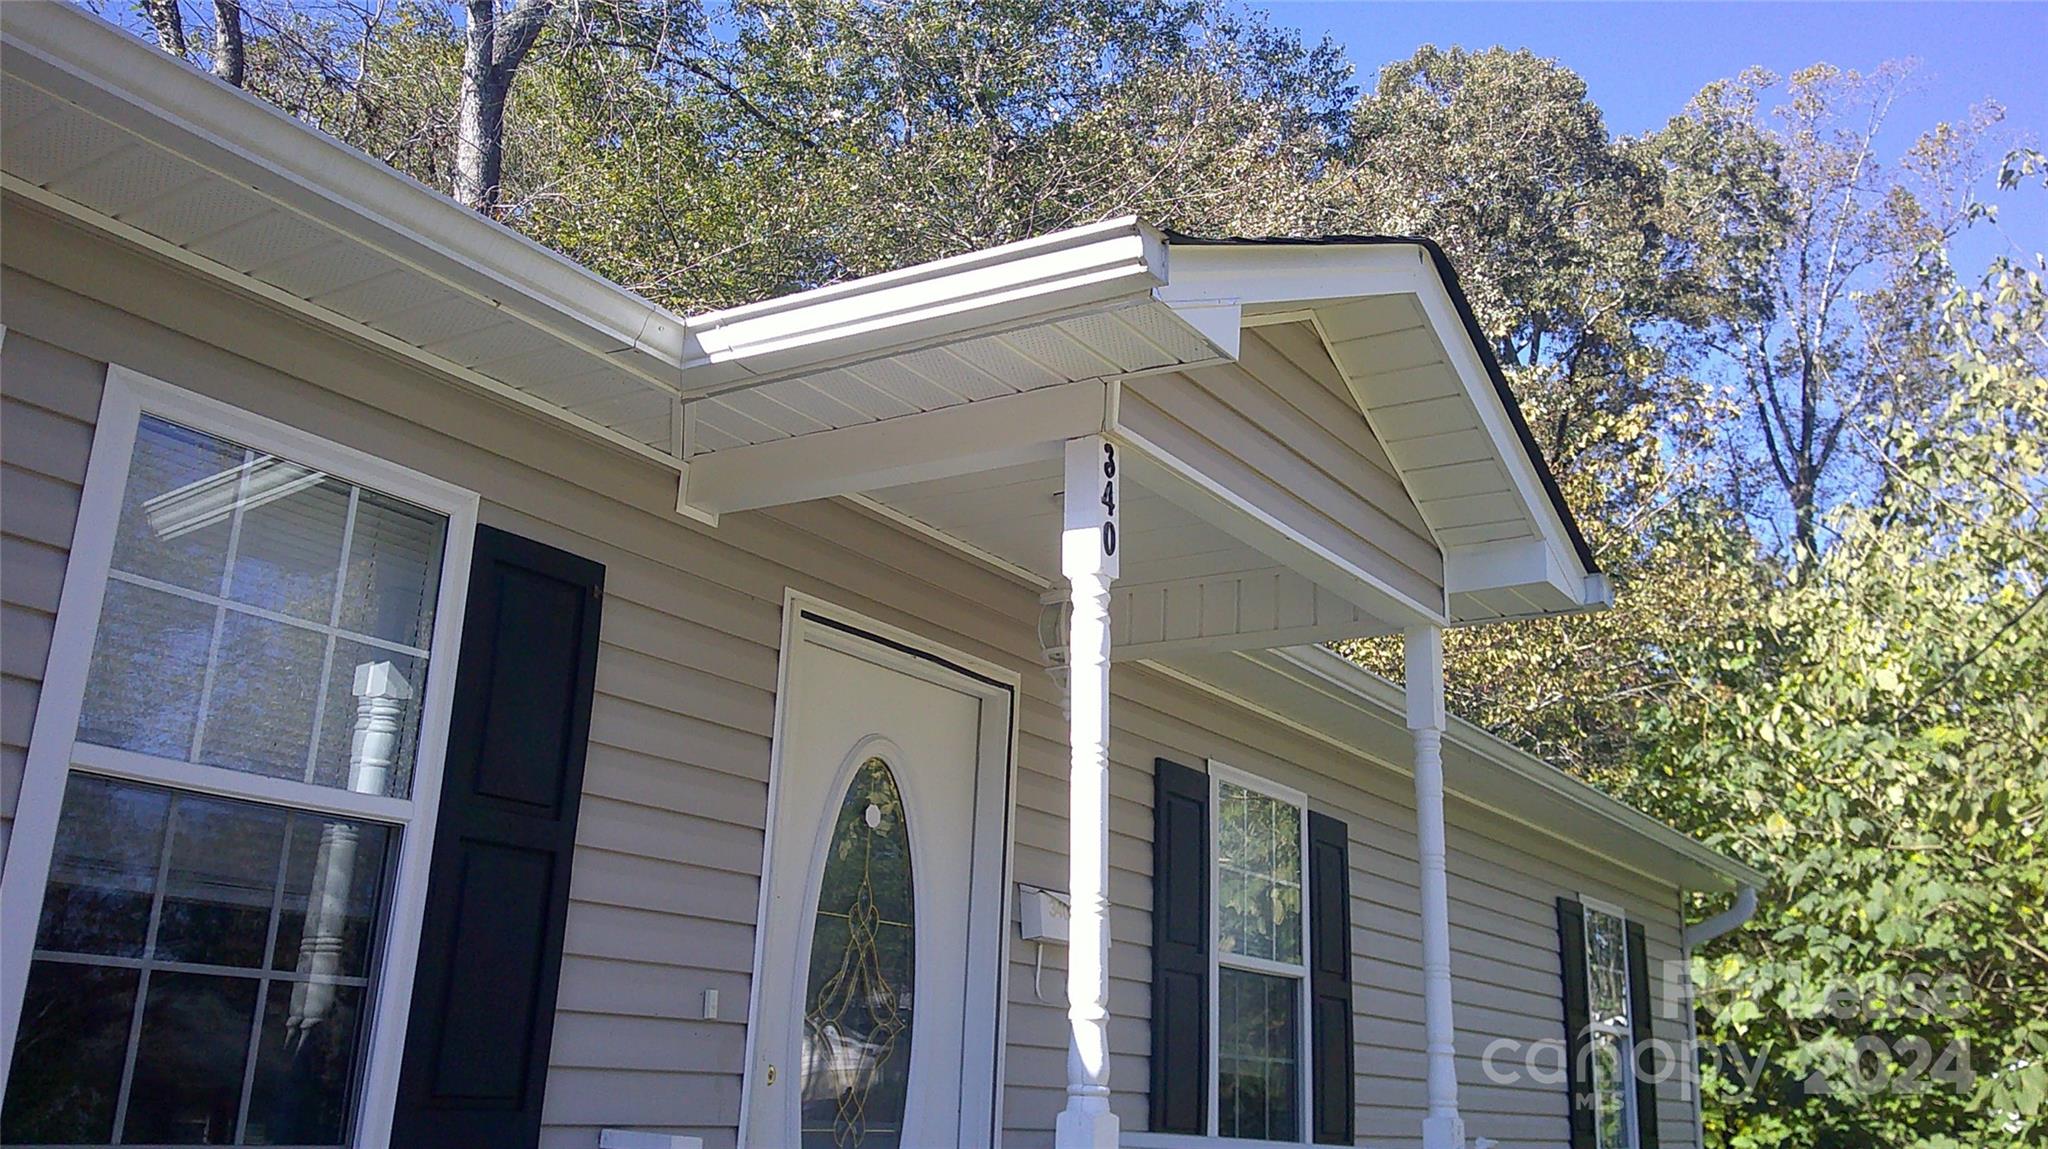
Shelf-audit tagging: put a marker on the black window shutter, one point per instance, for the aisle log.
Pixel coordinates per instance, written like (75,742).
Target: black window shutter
(1639,1021)
(483,1007)
(1180,949)
(1578,1016)
(1329,923)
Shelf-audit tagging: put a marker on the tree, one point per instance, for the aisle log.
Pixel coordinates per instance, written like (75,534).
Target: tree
(1553,223)
(1838,327)
(917,130)
(493,47)
(1879,746)
(229,59)
(1563,238)
(169,24)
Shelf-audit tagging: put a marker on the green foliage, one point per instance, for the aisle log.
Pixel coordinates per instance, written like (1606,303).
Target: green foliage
(1877,744)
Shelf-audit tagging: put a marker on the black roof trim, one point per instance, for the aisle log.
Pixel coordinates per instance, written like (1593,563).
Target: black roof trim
(1449,275)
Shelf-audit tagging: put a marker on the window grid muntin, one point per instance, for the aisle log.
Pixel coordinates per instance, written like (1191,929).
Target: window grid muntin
(1220,775)
(263,975)
(1619,1029)
(331,633)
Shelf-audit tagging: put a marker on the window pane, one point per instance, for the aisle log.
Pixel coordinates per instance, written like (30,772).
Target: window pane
(189,1061)
(178,510)
(333,896)
(249,536)
(218,903)
(103,869)
(394,571)
(288,549)
(1257,1055)
(857,1024)
(1258,875)
(66,1077)
(221,882)
(1241,922)
(1607,967)
(148,665)
(267,680)
(305,1064)
(1610,1091)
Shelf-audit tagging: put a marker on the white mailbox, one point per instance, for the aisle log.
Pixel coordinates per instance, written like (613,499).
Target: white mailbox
(1043,915)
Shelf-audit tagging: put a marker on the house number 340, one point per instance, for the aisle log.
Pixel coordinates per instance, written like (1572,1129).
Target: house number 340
(1109,499)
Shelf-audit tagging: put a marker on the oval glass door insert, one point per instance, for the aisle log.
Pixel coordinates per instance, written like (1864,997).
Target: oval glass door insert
(857,1004)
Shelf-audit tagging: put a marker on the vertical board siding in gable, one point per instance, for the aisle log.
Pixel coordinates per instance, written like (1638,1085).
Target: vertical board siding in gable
(669,845)
(49,399)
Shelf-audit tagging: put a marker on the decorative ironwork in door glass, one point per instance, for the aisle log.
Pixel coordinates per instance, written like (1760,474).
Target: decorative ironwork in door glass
(857,1008)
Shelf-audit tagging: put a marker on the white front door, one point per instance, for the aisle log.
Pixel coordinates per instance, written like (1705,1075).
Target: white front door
(874,1023)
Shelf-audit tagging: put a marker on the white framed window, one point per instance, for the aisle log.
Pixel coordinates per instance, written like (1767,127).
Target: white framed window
(213,893)
(1258,978)
(1610,1036)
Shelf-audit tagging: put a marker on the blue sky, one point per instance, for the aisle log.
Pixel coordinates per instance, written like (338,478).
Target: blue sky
(1641,62)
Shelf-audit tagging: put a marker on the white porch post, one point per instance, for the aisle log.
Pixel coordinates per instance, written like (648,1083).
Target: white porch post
(1442,1128)
(1088,558)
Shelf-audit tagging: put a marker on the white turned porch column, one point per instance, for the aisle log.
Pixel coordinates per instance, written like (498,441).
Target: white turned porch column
(1088,559)
(1442,1128)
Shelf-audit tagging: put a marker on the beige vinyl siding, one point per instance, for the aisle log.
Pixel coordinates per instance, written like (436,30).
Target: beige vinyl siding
(667,868)
(1288,445)
(48,401)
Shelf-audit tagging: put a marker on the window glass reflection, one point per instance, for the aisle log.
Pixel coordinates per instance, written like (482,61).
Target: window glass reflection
(1258,874)
(181,937)
(247,595)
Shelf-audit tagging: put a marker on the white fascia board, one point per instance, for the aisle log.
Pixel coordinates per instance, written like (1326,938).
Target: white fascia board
(1509,563)
(1435,297)
(1525,565)
(1657,846)
(87,61)
(1256,274)
(981,292)
(60,208)
(1219,322)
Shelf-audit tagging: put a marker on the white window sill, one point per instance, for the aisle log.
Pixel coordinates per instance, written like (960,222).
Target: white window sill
(1199,1141)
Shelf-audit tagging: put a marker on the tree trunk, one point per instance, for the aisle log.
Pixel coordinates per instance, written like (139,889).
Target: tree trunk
(228,60)
(492,51)
(480,114)
(169,24)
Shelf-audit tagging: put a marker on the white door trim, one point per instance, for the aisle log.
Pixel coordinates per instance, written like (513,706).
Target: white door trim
(808,619)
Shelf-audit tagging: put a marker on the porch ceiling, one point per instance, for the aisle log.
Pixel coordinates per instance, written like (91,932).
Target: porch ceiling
(1187,584)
